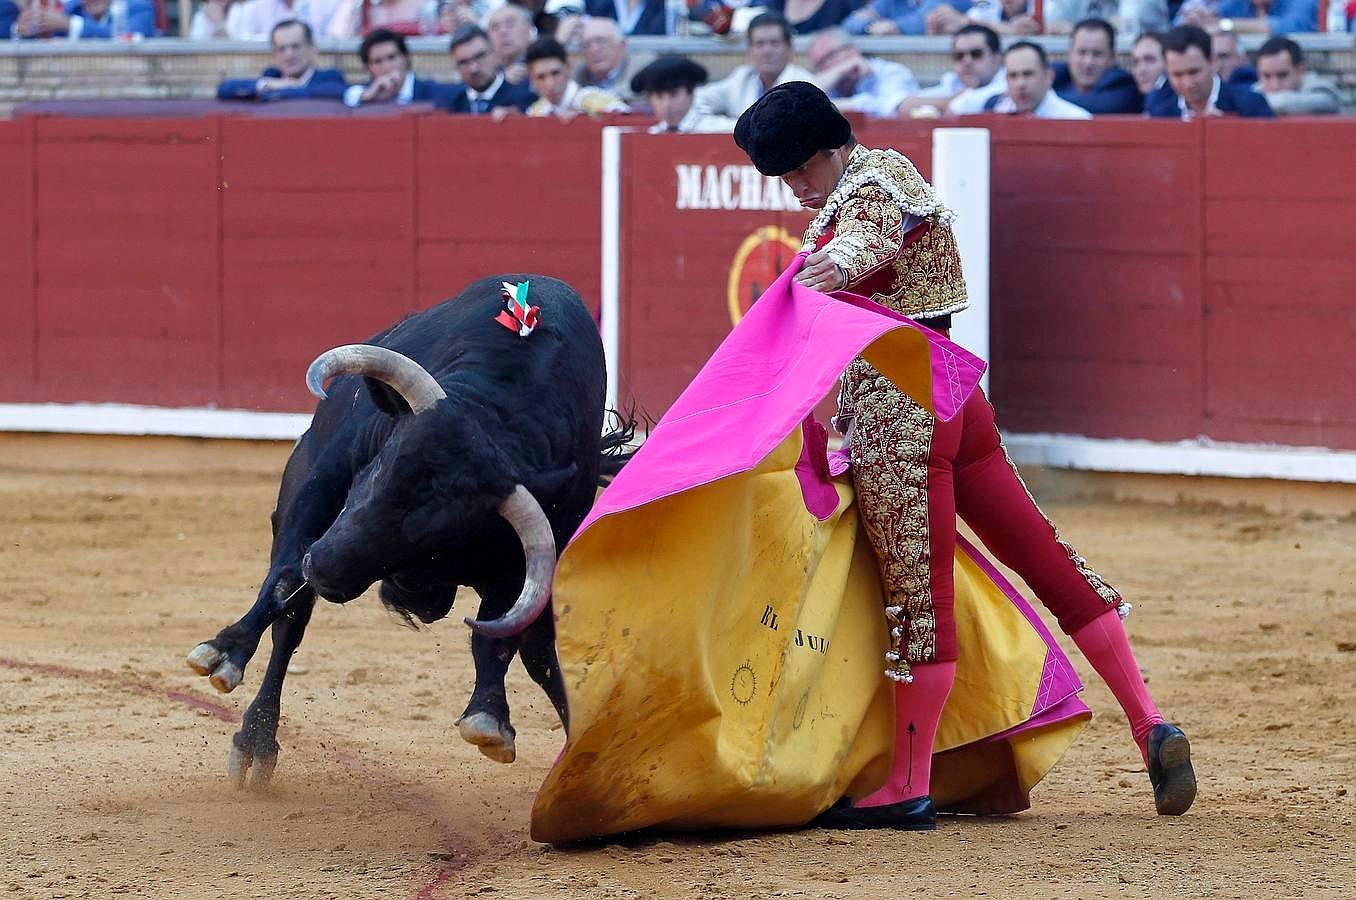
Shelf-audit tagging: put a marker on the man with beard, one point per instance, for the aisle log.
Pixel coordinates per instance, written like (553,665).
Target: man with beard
(483,86)
(880,232)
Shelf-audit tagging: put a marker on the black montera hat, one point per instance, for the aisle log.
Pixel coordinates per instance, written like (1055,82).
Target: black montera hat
(668,73)
(788,125)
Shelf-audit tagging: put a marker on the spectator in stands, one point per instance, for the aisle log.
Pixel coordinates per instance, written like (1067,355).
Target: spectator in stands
(607,65)
(1003,16)
(769,64)
(809,16)
(511,30)
(1290,88)
(1062,15)
(221,20)
(293,75)
(1030,81)
(453,14)
(327,18)
(1253,16)
(633,16)
(1146,63)
(387,61)
(483,85)
(977,75)
(897,16)
(1193,88)
(1230,63)
(81,19)
(857,83)
(1091,79)
(668,85)
(548,71)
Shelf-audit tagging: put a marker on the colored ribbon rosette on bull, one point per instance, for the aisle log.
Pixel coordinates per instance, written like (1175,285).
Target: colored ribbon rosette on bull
(517,316)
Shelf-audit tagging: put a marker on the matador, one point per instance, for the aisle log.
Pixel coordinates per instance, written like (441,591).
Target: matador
(880,232)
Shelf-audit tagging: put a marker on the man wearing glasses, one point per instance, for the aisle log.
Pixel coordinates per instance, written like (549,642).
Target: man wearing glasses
(976,76)
(483,86)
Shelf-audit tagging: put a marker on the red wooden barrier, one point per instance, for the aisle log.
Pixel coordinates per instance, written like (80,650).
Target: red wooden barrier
(1152,280)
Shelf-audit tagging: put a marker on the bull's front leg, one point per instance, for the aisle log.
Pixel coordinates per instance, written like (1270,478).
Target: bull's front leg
(485,722)
(254,748)
(223,658)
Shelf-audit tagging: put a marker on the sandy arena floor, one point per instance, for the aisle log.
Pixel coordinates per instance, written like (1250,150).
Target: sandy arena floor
(118,556)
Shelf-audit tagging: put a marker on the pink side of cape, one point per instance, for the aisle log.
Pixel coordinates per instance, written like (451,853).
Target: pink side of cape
(763,380)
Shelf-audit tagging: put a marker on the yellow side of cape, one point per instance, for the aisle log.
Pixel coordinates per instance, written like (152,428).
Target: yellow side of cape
(723,658)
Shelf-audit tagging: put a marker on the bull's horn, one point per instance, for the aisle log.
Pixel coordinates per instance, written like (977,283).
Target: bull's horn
(411,380)
(522,511)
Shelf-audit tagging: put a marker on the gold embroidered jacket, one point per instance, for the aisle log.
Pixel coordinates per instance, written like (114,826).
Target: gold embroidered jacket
(884,226)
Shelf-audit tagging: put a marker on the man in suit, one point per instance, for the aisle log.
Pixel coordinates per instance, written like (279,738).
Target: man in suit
(293,75)
(510,29)
(80,19)
(387,61)
(483,85)
(1193,88)
(635,17)
(769,64)
(1091,79)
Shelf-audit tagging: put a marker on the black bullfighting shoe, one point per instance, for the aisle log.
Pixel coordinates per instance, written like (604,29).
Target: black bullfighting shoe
(1170,770)
(918,814)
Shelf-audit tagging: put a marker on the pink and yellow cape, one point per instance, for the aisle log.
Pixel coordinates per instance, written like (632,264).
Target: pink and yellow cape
(719,615)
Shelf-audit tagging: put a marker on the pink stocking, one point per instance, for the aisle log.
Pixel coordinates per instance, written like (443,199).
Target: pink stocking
(918,708)
(1104,642)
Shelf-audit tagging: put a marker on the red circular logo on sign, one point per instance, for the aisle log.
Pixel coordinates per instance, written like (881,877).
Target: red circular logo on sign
(762,256)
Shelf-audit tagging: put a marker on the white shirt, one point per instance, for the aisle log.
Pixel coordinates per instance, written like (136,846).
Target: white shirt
(472,95)
(578,99)
(741,89)
(696,123)
(1052,107)
(1211,105)
(971,101)
(353,94)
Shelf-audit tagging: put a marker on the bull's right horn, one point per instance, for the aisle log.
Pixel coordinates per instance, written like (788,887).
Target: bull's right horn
(524,513)
(411,380)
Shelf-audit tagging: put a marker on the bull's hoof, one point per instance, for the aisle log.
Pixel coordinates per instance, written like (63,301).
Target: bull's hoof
(242,765)
(222,674)
(494,738)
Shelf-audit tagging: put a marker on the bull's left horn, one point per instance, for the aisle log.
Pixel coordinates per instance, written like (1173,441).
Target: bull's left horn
(411,380)
(522,511)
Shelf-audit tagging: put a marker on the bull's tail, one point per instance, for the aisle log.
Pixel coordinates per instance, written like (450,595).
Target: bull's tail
(619,441)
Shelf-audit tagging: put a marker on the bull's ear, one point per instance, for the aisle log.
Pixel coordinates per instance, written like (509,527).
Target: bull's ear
(387,398)
(547,484)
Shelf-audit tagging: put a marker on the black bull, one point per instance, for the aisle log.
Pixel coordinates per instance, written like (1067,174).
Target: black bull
(466,457)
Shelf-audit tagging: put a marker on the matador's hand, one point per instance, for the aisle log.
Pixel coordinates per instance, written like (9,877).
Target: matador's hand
(821,273)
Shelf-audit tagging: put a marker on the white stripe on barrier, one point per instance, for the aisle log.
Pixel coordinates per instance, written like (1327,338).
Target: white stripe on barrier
(1201,456)
(1061,451)
(119,418)
(610,302)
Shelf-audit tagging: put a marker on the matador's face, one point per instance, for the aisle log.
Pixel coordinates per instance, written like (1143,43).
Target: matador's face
(816,179)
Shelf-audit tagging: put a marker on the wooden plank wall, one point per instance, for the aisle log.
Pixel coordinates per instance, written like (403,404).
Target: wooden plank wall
(1152,280)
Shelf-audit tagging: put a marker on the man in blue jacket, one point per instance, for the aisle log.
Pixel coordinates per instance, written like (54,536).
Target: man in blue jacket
(1091,79)
(1193,88)
(84,19)
(483,85)
(387,60)
(293,75)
